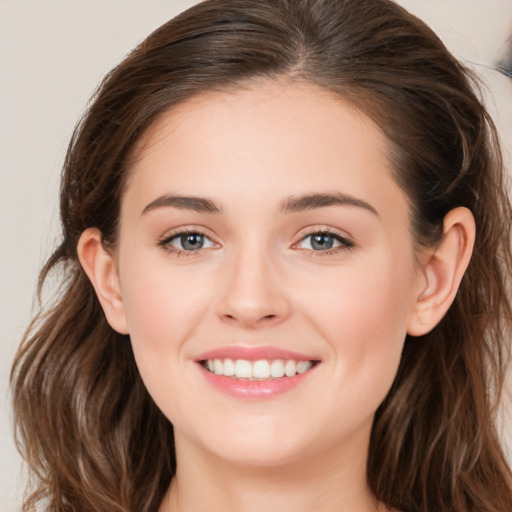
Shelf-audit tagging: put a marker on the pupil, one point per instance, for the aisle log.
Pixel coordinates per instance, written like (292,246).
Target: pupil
(322,242)
(192,241)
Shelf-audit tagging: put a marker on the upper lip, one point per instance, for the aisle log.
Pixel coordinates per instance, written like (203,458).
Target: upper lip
(253,353)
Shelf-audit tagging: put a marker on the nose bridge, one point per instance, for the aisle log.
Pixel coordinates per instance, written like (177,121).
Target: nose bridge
(252,293)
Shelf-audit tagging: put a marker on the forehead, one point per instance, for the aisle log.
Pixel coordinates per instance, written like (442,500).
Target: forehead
(262,142)
(215,112)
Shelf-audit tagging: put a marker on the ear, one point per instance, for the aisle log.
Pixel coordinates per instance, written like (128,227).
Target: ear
(100,266)
(441,272)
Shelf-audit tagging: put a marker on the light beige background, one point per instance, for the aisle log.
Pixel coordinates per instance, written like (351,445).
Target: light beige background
(52,55)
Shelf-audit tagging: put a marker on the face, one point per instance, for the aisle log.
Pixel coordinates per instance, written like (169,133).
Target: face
(263,234)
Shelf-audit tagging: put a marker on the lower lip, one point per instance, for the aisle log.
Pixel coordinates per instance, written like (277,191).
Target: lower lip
(254,389)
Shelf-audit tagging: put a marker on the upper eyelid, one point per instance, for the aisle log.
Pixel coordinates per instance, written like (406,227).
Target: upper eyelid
(301,235)
(165,242)
(174,233)
(312,230)
(345,242)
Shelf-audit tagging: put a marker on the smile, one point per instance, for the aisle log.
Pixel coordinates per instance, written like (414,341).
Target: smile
(257,372)
(262,369)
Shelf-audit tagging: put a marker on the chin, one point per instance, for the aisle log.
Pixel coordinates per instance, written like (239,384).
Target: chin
(260,454)
(267,442)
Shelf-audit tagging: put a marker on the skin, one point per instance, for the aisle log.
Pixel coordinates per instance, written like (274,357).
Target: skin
(257,281)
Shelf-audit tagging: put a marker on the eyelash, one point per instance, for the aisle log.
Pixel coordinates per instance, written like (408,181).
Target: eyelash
(345,244)
(165,243)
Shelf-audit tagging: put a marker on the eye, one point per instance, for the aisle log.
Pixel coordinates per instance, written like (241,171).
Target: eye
(324,241)
(186,242)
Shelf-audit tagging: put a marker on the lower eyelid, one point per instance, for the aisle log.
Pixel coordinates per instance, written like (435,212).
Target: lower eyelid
(344,242)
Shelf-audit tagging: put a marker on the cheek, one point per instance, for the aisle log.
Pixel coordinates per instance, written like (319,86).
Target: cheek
(164,310)
(163,307)
(363,313)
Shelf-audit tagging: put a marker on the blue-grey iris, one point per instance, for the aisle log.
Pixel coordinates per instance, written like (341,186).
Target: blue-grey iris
(192,241)
(322,241)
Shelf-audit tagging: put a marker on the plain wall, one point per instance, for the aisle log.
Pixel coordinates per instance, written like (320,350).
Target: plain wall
(52,55)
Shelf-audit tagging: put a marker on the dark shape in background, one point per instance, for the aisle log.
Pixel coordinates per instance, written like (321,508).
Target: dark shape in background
(504,65)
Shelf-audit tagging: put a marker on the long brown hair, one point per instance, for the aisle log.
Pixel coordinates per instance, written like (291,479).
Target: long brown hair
(93,437)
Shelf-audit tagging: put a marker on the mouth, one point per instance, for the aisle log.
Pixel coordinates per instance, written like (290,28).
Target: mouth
(259,370)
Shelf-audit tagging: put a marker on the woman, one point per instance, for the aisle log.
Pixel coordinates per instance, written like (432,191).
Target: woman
(285,263)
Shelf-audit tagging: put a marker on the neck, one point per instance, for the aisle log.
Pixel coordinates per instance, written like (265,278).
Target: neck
(330,482)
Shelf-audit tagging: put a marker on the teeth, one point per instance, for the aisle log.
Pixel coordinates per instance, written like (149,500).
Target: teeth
(229,367)
(277,368)
(261,370)
(243,369)
(303,366)
(290,368)
(257,370)
(218,366)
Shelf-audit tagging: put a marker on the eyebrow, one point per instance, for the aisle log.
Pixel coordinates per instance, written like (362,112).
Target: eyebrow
(312,201)
(196,204)
(292,204)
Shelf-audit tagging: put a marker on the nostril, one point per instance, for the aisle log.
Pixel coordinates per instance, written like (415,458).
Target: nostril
(254,320)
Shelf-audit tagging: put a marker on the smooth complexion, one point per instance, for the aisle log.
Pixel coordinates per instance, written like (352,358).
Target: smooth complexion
(261,220)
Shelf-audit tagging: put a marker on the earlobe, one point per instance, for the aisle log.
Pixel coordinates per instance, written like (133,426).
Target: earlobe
(441,272)
(100,266)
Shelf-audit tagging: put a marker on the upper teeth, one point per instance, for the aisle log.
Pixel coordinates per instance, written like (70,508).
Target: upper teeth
(261,369)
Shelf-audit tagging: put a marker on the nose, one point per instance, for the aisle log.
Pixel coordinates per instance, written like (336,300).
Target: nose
(253,294)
